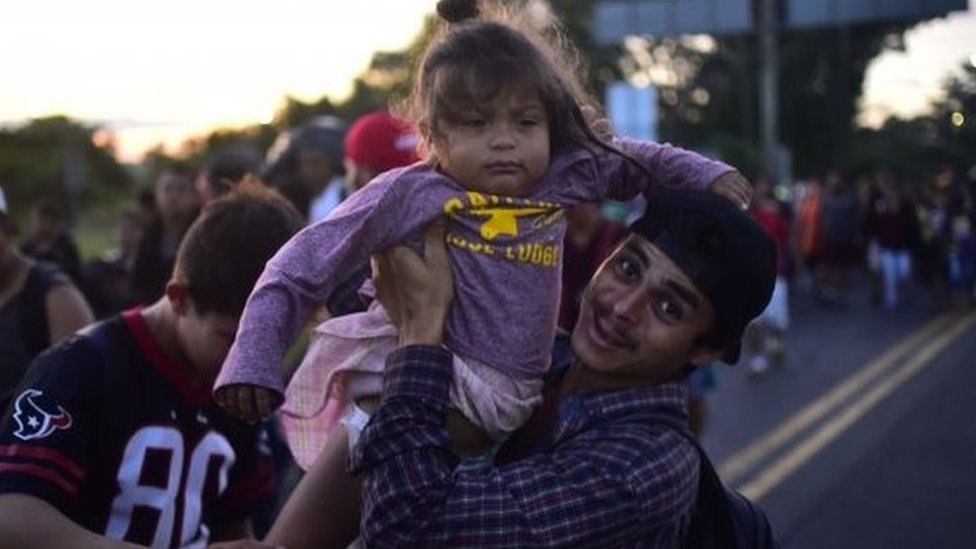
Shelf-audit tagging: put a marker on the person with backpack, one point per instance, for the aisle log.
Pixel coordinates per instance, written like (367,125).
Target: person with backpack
(607,459)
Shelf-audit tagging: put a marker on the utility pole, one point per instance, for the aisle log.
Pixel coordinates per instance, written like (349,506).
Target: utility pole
(768,26)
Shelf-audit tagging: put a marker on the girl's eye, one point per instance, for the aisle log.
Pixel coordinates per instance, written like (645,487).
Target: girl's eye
(473,122)
(530,122)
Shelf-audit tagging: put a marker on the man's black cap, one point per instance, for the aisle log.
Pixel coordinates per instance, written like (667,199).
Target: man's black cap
(728,256)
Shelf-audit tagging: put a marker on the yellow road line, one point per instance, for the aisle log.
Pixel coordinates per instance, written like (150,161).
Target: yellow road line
(738,464)
(802,452)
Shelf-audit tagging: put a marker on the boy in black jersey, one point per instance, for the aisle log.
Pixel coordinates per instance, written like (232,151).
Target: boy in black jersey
(112,438)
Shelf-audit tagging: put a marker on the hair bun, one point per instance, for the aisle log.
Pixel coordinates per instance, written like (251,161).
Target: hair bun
(455,11)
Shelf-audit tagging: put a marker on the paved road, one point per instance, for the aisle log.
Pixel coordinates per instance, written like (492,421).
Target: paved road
(867,437)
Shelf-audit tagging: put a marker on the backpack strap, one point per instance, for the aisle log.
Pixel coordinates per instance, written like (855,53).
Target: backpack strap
(722,517)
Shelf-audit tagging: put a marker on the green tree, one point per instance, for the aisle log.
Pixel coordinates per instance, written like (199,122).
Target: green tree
(917,148)
(60,158)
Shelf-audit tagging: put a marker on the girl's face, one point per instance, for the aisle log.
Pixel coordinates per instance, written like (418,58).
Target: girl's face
(499,147)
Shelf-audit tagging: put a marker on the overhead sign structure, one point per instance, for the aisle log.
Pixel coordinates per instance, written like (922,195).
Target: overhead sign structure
(615,19)
(809,13)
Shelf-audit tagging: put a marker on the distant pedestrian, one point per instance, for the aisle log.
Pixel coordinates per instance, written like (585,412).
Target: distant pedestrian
(177,204)
(50,239)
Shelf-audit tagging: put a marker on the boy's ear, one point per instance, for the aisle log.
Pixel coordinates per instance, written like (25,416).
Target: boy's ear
(178,295)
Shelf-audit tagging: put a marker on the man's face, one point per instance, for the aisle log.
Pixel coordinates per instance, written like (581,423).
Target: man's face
(641,319)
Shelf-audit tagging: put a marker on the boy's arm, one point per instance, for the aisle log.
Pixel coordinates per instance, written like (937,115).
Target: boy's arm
(27,521)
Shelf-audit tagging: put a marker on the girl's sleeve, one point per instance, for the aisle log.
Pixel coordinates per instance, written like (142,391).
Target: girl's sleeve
(300,277)
(665,165)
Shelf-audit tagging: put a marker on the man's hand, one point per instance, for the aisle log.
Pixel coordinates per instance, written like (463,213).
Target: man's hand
(735,187)
(416,291)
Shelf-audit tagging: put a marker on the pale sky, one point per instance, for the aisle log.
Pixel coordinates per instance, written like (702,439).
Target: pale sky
(162,71)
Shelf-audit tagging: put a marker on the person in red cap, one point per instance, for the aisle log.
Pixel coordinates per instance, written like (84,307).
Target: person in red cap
(377,142)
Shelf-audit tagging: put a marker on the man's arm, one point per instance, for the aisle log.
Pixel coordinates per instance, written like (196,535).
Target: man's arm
(595,489)
(29,522)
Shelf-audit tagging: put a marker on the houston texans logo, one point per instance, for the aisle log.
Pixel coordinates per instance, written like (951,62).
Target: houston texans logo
(35,422)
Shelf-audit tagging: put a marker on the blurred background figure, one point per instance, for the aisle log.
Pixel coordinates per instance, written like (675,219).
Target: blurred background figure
(840,220)
(39,306)
(108,277)
(893,235)
(960,248)
(764,342)
(177,204)
(808,235)
(590,237)
(50,239)
(225,167)
(377,142)
(306,165)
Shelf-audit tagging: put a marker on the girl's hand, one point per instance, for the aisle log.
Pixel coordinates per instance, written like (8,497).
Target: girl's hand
(735,187)
(247,402)
(416,291)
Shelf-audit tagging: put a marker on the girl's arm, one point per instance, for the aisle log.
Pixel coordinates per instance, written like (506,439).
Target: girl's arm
(300,277)
(610,175)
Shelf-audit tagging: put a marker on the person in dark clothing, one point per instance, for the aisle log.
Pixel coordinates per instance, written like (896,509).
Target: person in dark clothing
(51,242)
(39,306)
(177,204)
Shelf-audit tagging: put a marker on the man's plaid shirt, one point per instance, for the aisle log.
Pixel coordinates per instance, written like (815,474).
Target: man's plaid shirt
(605,476)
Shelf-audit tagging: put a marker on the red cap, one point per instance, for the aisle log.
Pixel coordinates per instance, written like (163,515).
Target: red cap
(381,141)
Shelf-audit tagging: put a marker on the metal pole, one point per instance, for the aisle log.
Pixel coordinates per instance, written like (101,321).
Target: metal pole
(768,87)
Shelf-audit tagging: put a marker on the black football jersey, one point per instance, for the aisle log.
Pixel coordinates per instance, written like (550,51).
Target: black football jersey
(106,428)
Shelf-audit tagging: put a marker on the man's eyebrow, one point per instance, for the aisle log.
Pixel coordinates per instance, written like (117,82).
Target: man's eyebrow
(683,291)
(633,248)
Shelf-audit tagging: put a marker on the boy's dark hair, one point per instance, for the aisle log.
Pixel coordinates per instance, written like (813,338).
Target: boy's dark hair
(470,60)
(225,249)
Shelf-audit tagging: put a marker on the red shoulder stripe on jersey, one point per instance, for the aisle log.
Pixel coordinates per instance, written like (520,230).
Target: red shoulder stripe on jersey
(44,473)
(171,370)
(64,462)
